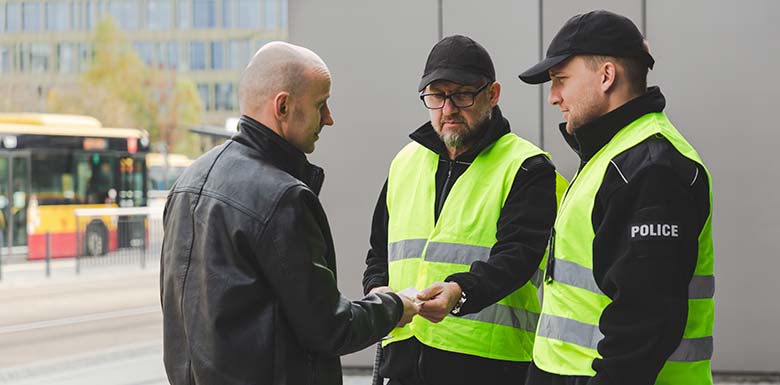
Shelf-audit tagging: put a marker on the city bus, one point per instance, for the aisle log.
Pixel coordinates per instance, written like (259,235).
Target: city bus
(51,165)
(162,172)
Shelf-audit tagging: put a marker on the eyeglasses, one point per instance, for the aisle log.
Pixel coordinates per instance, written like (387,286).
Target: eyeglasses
(459,99)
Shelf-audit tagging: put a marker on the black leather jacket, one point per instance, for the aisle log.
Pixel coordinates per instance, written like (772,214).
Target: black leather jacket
(248,272)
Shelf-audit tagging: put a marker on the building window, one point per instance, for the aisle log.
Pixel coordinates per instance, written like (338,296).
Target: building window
(227,14)
(58,17)
(85,56)
(271,15)
(249,16)
(2,17)
(203,91)
(184,15)
(75,16)
(31,16)
(90,15)
(197,55)
(238,54)
(5,60)
(283,16)
(217,55)
(145,51)
(158,14)
(13,17)
(66,57)
(35,57)
(173,55)
(125,14)
(203,13)
(225,97)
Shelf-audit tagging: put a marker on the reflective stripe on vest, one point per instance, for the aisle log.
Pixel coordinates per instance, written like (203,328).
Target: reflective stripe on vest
(421,252)
(446,252)
(568,333)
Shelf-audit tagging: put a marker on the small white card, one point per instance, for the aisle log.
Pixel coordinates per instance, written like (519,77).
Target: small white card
(411,293)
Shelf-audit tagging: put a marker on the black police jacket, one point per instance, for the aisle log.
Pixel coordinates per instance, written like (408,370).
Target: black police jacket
(248,272)
(646,279)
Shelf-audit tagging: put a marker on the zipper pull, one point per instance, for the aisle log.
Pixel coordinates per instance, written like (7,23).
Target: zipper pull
(549,271)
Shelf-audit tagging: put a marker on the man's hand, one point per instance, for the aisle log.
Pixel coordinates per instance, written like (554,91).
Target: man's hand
(439,299)
(410,310)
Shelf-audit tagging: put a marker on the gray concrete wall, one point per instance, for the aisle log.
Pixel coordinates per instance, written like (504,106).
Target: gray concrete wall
(506,23)
(376,52)
(716,64)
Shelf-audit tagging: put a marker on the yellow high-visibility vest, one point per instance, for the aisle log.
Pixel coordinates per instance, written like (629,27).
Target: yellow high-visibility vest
(421,252)
(568,333)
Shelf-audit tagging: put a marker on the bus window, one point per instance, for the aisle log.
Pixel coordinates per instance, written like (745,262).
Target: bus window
(52,178)
(95,177)
(131,191)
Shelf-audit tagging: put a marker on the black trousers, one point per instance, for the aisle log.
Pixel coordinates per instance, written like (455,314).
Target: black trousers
(410,362)
(538,376)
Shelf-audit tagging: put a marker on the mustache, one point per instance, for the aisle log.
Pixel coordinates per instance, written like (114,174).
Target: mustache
(452,119)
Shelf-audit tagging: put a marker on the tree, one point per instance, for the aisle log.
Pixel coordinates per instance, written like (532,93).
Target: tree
(121,91)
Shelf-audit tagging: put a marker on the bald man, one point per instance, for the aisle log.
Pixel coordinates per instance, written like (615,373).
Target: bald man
(248,271)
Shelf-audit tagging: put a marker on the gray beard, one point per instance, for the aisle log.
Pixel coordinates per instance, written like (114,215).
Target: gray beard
(456,140)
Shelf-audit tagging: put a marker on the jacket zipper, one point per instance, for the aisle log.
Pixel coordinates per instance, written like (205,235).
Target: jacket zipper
(444,187)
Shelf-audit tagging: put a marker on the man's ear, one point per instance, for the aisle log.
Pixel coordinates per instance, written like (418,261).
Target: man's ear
(495,93)
(608,75)
(282,106)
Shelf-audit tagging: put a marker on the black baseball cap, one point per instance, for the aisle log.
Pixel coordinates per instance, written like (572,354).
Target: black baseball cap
(592,33)
(458,59)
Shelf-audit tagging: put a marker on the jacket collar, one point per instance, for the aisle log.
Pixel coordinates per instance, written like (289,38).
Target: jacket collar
(277,151)
(592,136)
(496,128)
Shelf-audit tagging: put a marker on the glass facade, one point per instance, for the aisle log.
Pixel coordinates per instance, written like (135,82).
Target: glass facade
(172,55)
(197,56)
(203,91)
(58,16)
(158,14)
(31,17)
(13,17)
(245,14)
(271,14)
(225,98)
(125,13)
(238,54)
(217,56)
(66,57)
(5,59)
(204,13)
(210,41)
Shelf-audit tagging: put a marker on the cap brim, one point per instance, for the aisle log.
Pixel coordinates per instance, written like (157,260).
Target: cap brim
(454,75)
(539,73)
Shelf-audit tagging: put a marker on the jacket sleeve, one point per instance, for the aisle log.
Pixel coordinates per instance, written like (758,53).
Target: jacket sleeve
(523,230)
(376,260)
(293,254)
(645,273)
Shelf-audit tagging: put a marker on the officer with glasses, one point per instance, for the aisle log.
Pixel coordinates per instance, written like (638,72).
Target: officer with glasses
(463,221)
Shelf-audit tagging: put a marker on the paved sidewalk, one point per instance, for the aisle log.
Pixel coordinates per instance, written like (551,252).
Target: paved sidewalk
(362,376)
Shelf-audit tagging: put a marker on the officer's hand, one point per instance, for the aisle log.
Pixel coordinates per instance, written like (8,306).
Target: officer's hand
(410,310)
(439,299)
(380,289)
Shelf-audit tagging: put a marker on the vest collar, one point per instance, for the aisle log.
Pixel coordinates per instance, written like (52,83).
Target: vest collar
(592,136)
(280,153)
(496,128)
